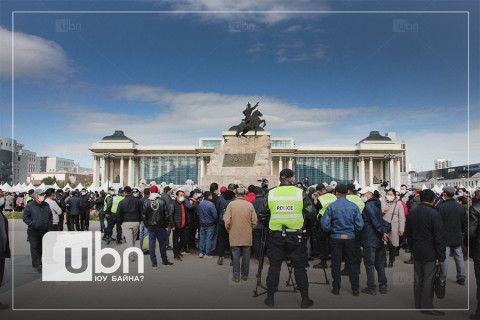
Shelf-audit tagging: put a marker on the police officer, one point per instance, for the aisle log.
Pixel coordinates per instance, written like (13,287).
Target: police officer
(321,203)
(289,211)
(343,220)
(113,218)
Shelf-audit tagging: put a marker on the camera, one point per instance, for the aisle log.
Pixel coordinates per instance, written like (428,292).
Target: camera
(264,183)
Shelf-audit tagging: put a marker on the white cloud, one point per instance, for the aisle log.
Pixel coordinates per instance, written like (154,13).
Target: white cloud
(36,58)
(257,47)
(245,5)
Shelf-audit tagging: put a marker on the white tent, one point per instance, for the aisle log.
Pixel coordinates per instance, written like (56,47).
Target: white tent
(42,186)
(17,188)
(436,189)
(30,186)
(67,187)
(79,186)
(6,187)
(424,187)
(55,186)
(91,188)
(462,186)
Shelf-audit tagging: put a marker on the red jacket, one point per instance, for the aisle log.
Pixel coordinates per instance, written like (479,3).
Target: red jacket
(250,196)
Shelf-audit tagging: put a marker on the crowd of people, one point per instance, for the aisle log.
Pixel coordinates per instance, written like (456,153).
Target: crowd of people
(294,221)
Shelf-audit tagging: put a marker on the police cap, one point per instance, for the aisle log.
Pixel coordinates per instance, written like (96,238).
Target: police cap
(286,173)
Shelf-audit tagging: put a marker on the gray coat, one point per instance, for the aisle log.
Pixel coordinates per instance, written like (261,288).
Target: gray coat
(396,216)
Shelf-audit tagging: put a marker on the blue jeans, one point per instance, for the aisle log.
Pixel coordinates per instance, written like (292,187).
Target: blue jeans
(236,252)
(206,237)
(458,256)
(159,233)
(374,258)
(143,234)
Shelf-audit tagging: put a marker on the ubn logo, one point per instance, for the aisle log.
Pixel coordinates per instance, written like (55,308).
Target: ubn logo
(58,246)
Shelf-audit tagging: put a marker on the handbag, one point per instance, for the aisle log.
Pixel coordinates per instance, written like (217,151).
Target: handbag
(388,225)
(439,282)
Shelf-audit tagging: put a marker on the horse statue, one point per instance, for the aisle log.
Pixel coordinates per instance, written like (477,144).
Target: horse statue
(252,122)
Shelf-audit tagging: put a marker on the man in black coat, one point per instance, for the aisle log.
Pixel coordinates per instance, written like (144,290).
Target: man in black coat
(84,210)
(454,226)
(4,244)
(425,236)
(259,206)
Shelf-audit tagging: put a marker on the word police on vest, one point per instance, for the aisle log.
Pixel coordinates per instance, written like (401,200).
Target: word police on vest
(67,256)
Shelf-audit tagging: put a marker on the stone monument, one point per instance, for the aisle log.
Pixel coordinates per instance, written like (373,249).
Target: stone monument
(245,157)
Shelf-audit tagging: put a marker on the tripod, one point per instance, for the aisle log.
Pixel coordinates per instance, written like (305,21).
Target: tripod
(290,281)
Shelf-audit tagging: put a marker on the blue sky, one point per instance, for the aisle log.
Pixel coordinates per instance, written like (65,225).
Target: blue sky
(169,78)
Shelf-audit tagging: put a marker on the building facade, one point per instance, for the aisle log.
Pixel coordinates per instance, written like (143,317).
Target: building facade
(15,161)
(466,176)
(442,163)
(122,161)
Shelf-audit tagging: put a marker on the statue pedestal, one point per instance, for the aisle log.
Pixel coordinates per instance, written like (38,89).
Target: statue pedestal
(241,160)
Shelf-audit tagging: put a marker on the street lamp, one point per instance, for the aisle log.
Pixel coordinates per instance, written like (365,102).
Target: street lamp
(108,156)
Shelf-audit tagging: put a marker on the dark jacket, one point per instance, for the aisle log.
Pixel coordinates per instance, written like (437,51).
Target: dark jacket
(424,233)
(73,206)
(374,225)
(155,212)
(454,222)
(258,204)
(99,203)
(130,209)
(474,230)
(412,202)
(4,247)
(169,201)
(222,203)
(85,202)
(207,213)
(177,214)
(38,216)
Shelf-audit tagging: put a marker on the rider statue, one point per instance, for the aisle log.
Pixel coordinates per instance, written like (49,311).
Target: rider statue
(252,120)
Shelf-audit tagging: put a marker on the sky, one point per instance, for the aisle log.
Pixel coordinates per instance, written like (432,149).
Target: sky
(174,71)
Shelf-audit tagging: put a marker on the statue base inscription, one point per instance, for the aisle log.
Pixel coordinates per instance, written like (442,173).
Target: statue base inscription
(240,160)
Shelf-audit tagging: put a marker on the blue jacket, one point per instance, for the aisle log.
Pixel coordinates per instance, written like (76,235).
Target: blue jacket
(374,225)
(38,217)
(342,219)
(207,213)
(222,203)
(73,206)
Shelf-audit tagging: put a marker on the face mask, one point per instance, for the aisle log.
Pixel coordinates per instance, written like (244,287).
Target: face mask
(460,194)
(84,193)
(410,193)
(390,198)
(181,199)
(135,194)
(443,197)
(41,198)
(398,197)
(364,199)
(2,201)
(111,192)
(402,191)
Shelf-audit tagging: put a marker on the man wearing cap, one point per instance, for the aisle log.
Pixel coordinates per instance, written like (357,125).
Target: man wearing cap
(114,219)
(289,211)
(38,218)
(73,212)
(373,235)
(454,227)
(130,214)
(344,221)
(166,196)
(240,220)
(425,236)
(324,199)
(85,210)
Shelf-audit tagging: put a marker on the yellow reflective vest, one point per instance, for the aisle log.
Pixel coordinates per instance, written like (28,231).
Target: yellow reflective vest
(286,207)
(116,201)
(357,200)
(325,200)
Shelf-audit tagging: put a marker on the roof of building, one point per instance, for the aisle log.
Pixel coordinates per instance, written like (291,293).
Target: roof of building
(375,136)
(117,135)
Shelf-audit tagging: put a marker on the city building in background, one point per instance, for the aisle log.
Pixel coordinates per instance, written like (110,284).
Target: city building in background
(375,158)
(15,161)
(442,163)
(466,176)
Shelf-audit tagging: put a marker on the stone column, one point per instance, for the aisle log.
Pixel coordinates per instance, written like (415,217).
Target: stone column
(290,163)
(202,167)
(112,164)
(391,174)
(130,170)
(271,166)
(104,171)
(397,172)
(96,169)
(121,170)
(370,167)
(381,169)
(280,165)
(362,172)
